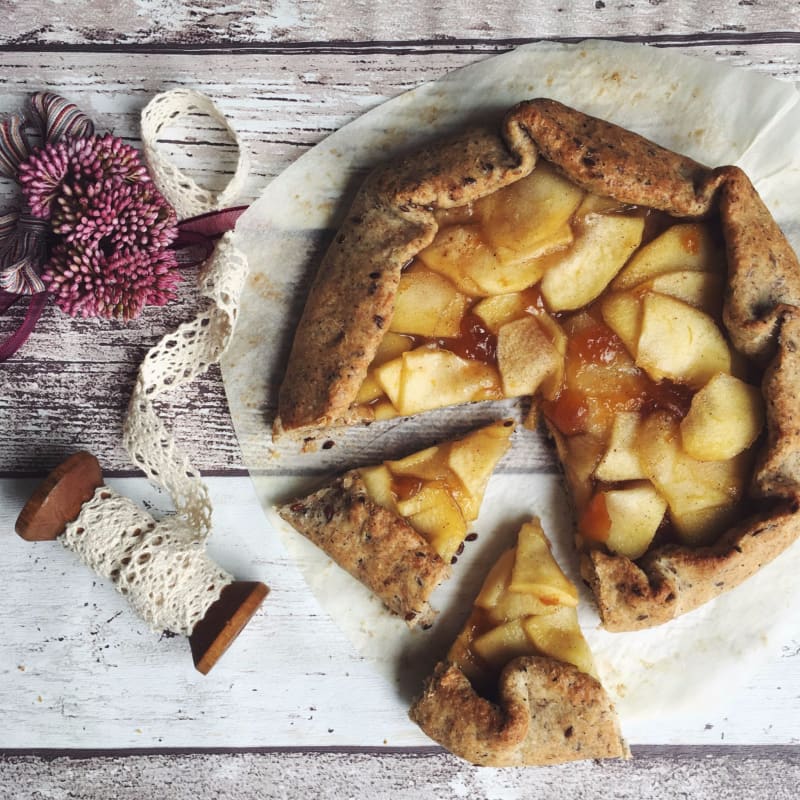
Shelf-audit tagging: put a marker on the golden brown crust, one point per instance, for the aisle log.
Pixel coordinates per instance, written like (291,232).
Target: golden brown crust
(777,472)
(352,298)
(549,712)
(375,545)
(763,271)
(760,314)
(672,580)
(611,161)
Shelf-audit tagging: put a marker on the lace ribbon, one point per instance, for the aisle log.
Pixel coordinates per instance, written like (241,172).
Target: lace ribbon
(195,345)
(162,568)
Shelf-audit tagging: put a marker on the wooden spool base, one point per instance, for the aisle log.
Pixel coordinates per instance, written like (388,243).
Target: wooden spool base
(58,499)
(224,621)
(57,502)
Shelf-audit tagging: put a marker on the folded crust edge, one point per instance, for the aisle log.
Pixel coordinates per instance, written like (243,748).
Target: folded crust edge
(549,712)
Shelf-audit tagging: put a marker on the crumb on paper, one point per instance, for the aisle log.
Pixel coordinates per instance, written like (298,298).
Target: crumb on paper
(621,689)
(310,445)
(39,699)
(21,667)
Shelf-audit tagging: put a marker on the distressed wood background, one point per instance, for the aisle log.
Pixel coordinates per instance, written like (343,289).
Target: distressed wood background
(313,718)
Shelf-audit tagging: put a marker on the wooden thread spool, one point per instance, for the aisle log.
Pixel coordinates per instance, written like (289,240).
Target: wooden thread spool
(57,502)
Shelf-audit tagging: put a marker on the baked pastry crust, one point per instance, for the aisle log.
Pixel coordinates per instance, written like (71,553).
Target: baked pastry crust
(375,545)
(392,219)
(549,712)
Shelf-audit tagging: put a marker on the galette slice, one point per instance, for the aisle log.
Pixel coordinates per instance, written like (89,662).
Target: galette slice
(397,526)
(518,687)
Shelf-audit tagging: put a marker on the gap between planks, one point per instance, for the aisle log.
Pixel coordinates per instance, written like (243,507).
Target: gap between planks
(398,47)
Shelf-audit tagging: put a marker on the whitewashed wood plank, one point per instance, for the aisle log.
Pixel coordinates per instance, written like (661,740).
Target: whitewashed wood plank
(723,774)
(78,670)
(43,23)
(68,388)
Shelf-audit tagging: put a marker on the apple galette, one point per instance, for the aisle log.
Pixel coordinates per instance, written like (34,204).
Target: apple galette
(397,526)
(648,303)
(518,687)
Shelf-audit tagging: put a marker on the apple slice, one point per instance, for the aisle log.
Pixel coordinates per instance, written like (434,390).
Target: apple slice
(388,377)
(622,312)
(496,311)
(536,571)
(432,378)
(688,485)
(427,304)
(503,644)
(495,585)
(579,455)
(630,520)
(451,249)
(462,255)
(621,459)
(392,346)
(526,357)
(725,418)
(429,464)
(682,247)
(369,390)
(559,636)
(503,605)
(510,276)
(472,461)
(702,290)
(378,482)
(437,517)
(516,605)
(602,247)
(530,217)
(679,342)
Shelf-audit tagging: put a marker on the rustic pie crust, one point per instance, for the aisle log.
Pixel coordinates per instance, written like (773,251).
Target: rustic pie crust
(519,685)
(393,218)
(397,526)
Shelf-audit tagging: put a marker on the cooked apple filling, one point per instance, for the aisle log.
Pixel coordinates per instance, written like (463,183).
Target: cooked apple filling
(611,315)
(526,607)
(440,490)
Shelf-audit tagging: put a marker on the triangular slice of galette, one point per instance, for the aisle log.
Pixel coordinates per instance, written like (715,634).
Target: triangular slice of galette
(397,526)
(518,687)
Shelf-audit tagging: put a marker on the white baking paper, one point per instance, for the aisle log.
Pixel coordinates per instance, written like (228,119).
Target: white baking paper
(711,112)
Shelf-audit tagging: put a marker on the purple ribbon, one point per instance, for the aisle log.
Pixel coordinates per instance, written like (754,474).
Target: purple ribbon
(35,307)
(195,243)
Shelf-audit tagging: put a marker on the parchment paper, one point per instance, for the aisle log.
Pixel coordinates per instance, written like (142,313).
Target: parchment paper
(711,112)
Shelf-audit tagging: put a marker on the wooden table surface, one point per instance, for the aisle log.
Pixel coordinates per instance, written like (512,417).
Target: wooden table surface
(93,704)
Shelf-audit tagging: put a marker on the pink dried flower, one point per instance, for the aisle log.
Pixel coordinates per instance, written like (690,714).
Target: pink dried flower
(63,166)
(86,282)
(115,215)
